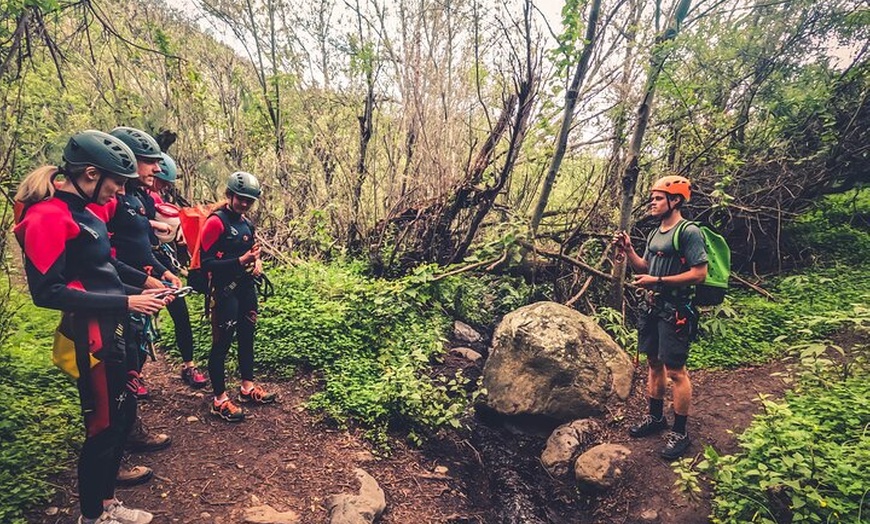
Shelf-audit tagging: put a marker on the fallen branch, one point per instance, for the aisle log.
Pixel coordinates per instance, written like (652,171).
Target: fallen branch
(492,262)
(758,289)
(565,258)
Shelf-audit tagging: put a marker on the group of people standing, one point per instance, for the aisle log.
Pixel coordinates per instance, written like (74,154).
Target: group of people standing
(88,230)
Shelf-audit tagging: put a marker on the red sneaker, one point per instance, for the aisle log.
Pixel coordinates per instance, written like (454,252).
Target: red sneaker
(141,389)
(193,377)
(257,395)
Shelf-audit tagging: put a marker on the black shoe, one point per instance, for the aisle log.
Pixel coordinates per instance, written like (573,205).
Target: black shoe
(675,445)
(648,426)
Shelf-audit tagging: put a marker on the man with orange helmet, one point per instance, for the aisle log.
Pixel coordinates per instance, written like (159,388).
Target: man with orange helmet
(667,325)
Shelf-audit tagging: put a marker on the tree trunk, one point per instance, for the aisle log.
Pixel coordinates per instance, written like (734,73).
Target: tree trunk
(632,168)
(568,115)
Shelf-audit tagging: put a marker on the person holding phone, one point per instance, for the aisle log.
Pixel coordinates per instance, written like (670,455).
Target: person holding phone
(231,259)
(69,265)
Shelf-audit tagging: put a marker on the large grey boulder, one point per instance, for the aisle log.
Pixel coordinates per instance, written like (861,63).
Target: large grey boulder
(548,359)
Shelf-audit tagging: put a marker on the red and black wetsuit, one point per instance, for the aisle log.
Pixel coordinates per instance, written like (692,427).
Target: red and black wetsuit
(67,257)
(128,220)
(178,307)
(226,236)
(130,232)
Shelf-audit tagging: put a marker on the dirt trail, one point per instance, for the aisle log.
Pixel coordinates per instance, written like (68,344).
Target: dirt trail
(281,454)
(286,457)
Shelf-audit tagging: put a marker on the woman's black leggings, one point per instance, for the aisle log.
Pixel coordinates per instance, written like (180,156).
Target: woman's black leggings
(233,315)
(183,333)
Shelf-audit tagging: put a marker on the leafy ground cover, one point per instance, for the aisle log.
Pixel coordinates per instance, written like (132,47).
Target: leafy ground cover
(39,426)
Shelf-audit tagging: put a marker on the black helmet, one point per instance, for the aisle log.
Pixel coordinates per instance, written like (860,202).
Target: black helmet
(142,144)
(244,184)
(168,170)
(101,150)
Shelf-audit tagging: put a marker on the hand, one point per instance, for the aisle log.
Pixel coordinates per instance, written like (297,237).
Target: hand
(646,281)
(622,242)
(147,304)
(250,256)
(172,279)
(153,283)
(164,294)
(160,227)
(258,267)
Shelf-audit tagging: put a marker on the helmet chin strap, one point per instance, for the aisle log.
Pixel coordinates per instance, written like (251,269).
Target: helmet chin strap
(92,198)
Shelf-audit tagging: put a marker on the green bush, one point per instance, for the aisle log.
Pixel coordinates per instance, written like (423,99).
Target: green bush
(805,459)
(750,329)
(40,417)
(836,231)
(371,341)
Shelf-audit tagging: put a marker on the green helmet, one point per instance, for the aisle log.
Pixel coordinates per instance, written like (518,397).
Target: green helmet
(101,150)
(168,170)
(142,144)
(244,184)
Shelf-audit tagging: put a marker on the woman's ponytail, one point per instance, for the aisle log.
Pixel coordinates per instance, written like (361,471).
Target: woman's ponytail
(38,185)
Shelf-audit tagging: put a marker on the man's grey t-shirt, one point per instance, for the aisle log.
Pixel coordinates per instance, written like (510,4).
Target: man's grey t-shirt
(664,260)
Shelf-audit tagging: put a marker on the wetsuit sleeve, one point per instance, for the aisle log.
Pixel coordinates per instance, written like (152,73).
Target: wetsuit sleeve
(45,264)
(129,275)
(212,256)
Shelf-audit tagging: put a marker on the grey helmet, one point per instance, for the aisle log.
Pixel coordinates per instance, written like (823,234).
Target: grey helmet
(101,150)
(142,144)
(244,184)
(168,170)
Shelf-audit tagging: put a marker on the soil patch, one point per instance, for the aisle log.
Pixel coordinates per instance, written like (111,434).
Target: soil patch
(288,458)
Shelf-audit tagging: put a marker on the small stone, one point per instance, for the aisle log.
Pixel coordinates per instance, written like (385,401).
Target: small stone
(649,515)
(255,500)
(240,466)
(269,515)
(465,333)
(441,470)
(364,456)
(53,510)
(466,353)
(192,419)
(205,515)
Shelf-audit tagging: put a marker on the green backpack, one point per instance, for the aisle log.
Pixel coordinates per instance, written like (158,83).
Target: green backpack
(712,291)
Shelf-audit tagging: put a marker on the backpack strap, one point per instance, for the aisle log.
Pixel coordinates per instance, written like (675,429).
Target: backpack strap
(680,227)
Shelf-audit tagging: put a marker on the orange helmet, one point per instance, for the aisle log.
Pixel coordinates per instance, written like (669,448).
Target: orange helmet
(674,185)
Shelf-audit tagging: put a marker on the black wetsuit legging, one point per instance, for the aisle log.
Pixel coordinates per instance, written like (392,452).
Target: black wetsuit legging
(180,316)
(233,315)
(103,448)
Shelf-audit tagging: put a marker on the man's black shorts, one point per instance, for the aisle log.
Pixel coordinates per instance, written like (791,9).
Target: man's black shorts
(663,339)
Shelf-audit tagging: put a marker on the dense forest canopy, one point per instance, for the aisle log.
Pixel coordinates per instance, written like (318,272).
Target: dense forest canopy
(422,131)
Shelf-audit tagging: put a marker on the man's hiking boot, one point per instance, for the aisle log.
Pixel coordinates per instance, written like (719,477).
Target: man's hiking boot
(676,445)
(257,395)
(648,426)
(134,476)
(140,439)
(193,377)
(102,519)
(121,513)
(228,411)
